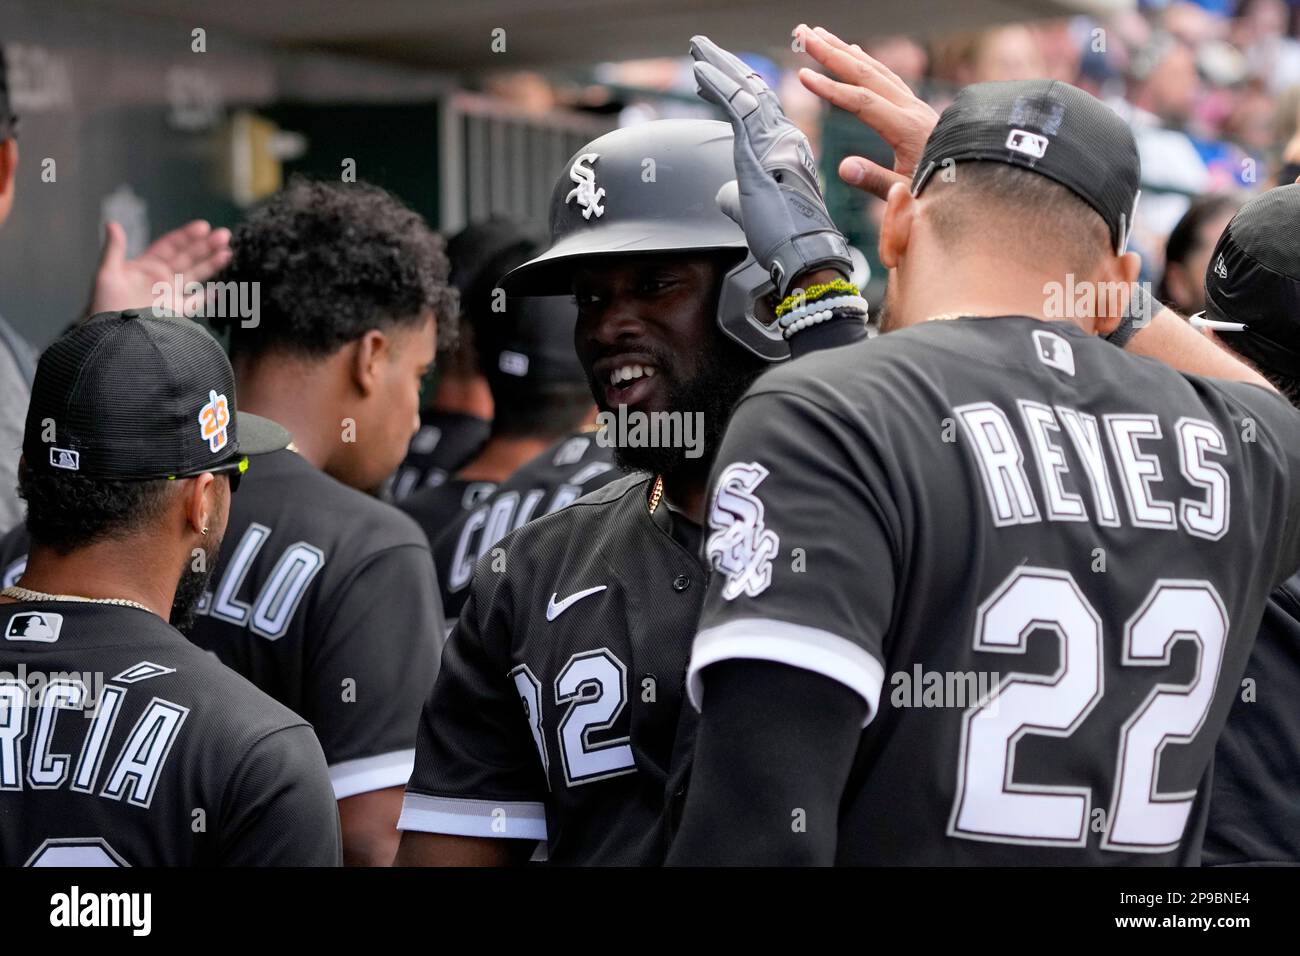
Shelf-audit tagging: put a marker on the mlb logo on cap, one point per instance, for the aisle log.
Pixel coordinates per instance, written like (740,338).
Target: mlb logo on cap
(142,397)
(513,363)
(65,458)
(1031,144)
(34,626)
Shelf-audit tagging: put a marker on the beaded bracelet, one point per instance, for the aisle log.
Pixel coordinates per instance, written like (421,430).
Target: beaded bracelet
(835,302)
(816,318)
(814,293)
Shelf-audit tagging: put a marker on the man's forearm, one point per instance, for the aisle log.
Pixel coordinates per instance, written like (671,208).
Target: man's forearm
(1169,339)
(774,747)
(369,822)
(445,849)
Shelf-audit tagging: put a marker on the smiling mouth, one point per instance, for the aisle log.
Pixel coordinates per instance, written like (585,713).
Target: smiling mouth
(629,383)
(623,375)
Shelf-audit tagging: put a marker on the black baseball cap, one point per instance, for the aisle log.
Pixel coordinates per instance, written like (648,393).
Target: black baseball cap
(524,343)
(1252,284)
(130,395)
(1056,130)
(477,250)
(531,349)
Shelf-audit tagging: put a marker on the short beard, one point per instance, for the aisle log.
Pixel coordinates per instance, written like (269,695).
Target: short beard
(724,375)
(190,587)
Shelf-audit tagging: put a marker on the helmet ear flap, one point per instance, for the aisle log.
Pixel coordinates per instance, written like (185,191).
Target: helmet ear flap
(739,316)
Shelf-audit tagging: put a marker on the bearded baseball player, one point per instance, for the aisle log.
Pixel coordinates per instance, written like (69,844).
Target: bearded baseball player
(992,492)
(121,743)
(555,714)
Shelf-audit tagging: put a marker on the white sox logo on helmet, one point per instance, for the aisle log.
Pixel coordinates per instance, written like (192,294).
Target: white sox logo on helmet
(585,192)
(741,547)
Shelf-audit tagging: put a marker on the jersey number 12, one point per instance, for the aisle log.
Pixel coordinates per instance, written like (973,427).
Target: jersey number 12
(594,686)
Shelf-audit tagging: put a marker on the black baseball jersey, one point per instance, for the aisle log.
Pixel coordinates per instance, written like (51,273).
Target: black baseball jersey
(574,466)
(1040,560)
(325,598)
(444,443)
(554,714)
(438,508)
(1255,803)
(122,744)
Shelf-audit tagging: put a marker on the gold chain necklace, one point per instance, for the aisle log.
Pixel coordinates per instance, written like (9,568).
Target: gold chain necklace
(656,493)
(27,594)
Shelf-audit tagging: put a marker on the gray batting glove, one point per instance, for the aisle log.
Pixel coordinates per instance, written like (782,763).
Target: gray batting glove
(775,198)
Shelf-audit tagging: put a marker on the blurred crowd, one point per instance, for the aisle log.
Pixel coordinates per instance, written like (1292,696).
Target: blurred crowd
(1211,89)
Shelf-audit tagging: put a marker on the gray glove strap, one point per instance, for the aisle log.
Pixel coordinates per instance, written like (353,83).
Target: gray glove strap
(807,252)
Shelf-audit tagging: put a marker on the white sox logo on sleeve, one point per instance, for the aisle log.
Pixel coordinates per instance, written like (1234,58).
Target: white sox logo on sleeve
(741,547)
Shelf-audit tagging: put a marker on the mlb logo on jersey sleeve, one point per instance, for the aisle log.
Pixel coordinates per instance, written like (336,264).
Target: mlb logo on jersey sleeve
(34,626)
(1054,351)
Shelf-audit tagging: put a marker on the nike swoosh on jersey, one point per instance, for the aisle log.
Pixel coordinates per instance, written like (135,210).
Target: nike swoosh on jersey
(554,609)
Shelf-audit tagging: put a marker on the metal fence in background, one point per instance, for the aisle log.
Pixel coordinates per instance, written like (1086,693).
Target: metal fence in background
(501,161)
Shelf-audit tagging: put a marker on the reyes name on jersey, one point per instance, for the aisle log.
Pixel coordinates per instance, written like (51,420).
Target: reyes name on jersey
(1040,560)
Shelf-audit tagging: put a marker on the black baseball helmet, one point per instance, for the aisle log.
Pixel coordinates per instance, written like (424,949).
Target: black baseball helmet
(650,189)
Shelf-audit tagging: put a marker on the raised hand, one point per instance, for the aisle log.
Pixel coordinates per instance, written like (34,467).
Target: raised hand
(776,198)
(194,251)
(875,95)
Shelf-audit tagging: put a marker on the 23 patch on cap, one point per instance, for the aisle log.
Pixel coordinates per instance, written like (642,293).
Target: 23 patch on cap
(214,420)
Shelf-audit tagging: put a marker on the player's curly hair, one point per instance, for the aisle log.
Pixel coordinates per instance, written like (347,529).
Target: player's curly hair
(69,511)
(334,260)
